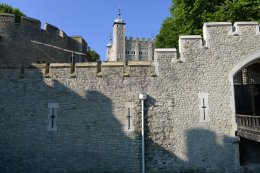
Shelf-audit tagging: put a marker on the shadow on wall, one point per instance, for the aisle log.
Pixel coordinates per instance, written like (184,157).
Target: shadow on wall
(204,148)
(205,152)
(90,137)
(250,152)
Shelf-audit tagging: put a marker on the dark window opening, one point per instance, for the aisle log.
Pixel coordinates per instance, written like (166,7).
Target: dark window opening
(247,107)
(247,90)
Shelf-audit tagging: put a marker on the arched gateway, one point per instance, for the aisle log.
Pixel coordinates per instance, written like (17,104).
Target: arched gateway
(245,78)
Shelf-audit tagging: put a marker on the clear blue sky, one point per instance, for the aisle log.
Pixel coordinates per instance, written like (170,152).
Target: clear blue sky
(93,19)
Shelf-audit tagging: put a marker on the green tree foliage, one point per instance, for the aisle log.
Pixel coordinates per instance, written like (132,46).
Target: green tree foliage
(93,56)
(188,16)
(4,8)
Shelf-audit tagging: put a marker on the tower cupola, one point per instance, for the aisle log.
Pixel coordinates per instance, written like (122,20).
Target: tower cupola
(119,19)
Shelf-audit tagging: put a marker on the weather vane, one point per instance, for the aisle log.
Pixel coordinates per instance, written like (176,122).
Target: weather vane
(119,11)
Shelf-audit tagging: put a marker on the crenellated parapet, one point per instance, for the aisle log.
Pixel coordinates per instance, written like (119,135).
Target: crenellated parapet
(135,39)
(8,20)
(18,36)
(217,34)
(143,43)
(30,22)
(92,70)
(51,29)
(251,28)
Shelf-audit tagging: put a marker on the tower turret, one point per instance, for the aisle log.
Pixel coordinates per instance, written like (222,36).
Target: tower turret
(118,39)
(150,50)
(137,51)
(109,49)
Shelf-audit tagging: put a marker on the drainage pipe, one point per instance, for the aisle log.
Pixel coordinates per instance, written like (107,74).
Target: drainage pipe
(143,97)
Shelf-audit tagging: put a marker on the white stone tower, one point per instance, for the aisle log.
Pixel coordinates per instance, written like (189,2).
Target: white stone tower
(116,51)
(121,48)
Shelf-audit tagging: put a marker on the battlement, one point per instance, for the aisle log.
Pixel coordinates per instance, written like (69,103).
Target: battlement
(137,39)
(68,70)
(30,22)
(62,34)
(30,29)
(166,55)
(217,34)
(50,28)
(244,27)
(9,19)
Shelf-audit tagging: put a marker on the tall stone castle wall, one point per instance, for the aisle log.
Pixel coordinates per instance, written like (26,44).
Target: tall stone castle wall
(99,113)
(16,46)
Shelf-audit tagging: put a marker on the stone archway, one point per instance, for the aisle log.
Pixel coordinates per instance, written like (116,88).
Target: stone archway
(247,90)
(245,101)
(232,74)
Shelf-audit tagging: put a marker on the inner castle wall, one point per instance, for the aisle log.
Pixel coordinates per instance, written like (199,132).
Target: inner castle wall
(139,49)
(95,133)
(16,46)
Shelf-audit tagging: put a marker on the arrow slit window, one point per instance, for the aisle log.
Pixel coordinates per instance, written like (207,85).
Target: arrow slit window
(52,117)
(204,107)
(129,117)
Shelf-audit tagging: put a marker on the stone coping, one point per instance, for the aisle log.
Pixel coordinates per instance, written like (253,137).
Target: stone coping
(30,19)
(86,64)
(50,26)
(218,24)
(60,65)
(190,37)
(165,50)
(245,23)
(139,63)
(112,64)
(42,65)
(80,65)
(7,14)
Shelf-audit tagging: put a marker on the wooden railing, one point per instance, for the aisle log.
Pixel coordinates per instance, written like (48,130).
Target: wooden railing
(248,122)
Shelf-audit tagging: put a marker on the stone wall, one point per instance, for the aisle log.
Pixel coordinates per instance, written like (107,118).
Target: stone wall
(95,133)
(92,135)
(139,49)
(16,46)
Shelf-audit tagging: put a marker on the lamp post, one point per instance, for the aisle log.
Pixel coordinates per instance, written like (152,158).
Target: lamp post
(143,97)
